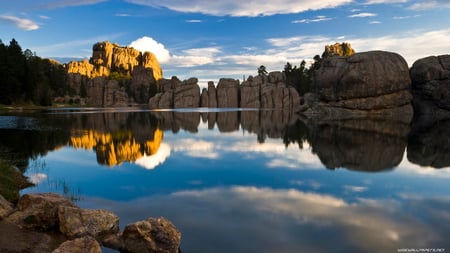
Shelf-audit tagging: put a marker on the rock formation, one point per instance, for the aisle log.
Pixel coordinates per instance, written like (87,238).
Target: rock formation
(47,222)
(270,92)
(177,94)
(369,84)
(431,86)
(114,76)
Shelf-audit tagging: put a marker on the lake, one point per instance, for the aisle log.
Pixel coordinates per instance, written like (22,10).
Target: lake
(246,180)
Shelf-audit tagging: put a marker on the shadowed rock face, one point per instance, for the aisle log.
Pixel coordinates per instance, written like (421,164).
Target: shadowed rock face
(362,145)
(431,86)
(368,83)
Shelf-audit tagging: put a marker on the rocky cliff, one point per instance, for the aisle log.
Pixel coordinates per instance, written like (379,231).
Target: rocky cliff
(114,76)
(369,84)
(256,92)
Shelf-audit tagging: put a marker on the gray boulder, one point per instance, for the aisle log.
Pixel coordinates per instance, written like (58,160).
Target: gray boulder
(85,244)
(431,85)
(364,84)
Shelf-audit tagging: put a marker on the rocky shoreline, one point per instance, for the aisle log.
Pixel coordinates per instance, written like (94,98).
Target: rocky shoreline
(47,222)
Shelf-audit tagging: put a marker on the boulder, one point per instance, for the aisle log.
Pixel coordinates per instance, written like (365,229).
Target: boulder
(187,94)
(365,84)
(431,86)
(85,244)
(76,222)
(39,211)
(6,208)
(228,93)
(153,235)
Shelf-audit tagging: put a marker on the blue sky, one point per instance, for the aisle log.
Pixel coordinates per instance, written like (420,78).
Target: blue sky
(227,38)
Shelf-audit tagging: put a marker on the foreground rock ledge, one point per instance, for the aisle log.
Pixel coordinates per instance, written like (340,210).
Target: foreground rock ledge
(47,222)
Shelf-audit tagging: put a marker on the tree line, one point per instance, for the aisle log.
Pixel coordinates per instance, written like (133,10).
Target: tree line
(27,78)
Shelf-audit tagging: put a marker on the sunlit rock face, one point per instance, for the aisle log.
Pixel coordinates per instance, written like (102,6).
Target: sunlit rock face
(115,148)
(364,84)
(431,86)
(267,92)
(363,145)
(104,78)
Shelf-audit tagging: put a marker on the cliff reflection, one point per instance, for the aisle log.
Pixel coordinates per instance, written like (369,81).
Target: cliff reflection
(429,143)
(116,147)
(363,145)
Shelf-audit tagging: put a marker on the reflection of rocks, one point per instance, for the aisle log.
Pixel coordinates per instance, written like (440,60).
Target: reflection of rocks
(116,147)
(362,145)
(429,143)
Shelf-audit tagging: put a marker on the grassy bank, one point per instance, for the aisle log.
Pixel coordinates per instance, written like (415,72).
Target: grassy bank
(11,182)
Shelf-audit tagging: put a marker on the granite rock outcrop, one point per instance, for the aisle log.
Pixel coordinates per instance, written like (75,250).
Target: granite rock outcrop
(369,84)
(114,76)
(431,86)
(269,92)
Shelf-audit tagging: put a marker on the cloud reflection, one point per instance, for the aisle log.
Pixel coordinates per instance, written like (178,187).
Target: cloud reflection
(151,161)
(252,219)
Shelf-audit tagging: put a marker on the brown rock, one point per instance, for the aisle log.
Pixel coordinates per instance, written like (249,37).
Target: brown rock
(204,98)
(228,93)
(212,95)
(85,244)
(39,211)
(153,235)
(250,94)
(76,222)
(187,94)
(6,208)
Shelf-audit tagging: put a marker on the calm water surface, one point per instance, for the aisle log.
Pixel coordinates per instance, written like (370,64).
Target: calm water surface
(246,181)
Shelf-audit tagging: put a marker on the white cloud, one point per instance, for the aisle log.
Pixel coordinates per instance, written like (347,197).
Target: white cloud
(148,44)
(195,57)
(250,8)
(411,45)
(385,1)
(150,162)
(22,23)
(376,22)
(314,20)
(69,3)
(193,21)
(363,15)
(429,4)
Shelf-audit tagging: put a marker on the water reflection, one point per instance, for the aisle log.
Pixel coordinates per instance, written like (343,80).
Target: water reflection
(117,137)
(363,145)
(247,181)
